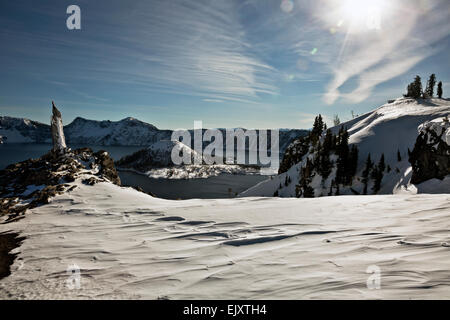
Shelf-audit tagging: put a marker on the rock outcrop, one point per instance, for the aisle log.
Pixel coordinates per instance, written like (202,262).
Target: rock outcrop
(33,182)
(430,157)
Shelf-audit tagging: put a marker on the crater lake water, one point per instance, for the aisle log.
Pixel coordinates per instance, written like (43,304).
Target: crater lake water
(222,186)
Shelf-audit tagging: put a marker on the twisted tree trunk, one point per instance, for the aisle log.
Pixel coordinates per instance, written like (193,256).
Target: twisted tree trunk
(59,141)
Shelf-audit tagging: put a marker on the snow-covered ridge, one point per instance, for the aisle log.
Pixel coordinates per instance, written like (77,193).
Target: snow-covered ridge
(390,130)
(19,130)
(126,132)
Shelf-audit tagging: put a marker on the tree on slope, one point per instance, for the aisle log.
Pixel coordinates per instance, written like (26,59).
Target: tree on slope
(417,87)
(439,89)
(429,90)
(366,172)
(377,174)
(414,89)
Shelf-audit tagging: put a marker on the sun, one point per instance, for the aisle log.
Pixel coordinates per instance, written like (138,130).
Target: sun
(362,15)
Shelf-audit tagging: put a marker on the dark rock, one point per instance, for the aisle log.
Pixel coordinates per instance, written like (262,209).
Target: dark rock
(430,157)
(52,171)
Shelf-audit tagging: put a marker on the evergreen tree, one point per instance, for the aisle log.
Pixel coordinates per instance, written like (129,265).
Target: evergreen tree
(377,174)
(336,120)
(399,157)
(303,188)
(328,142)
(317,129)
(409,91)
(429,90)
(439,89)
(353,160)
(381,164)
(347,159)
(366,172)
(417,88)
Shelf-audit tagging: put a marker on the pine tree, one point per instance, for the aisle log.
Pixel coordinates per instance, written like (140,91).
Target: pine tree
(328,142)
(353,160)
(417,87)
(366,172)
(429,90)
(377,174)
(317,129)
(381,164)
(342,163)
(439,89)
(409,91)
(399,157)
(336,120)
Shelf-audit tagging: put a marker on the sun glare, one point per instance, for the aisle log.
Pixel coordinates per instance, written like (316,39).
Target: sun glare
(361,15)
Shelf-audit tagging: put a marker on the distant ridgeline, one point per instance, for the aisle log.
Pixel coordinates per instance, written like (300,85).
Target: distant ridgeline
(126,132)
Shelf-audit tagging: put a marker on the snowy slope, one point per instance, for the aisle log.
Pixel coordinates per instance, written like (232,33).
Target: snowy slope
(393,126)
(127,244)
(390,128)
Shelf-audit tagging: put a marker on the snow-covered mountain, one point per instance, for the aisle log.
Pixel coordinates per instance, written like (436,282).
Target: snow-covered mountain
(126,132)
(390,130)
(20,130)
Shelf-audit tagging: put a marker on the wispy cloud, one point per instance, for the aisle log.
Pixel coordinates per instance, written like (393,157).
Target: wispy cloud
(192,47)
(197,47)
(375,57)
(213,100)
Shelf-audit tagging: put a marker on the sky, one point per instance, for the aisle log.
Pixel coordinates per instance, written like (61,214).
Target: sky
(252,64)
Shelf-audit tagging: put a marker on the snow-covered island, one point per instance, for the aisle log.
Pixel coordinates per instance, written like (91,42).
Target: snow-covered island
(84,236)
(155,162)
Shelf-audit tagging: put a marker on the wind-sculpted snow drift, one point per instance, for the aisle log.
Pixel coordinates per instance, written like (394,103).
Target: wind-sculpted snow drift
(127,244)
(391,131)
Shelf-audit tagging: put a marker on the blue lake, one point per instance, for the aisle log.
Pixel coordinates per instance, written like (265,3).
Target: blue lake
(222,186)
